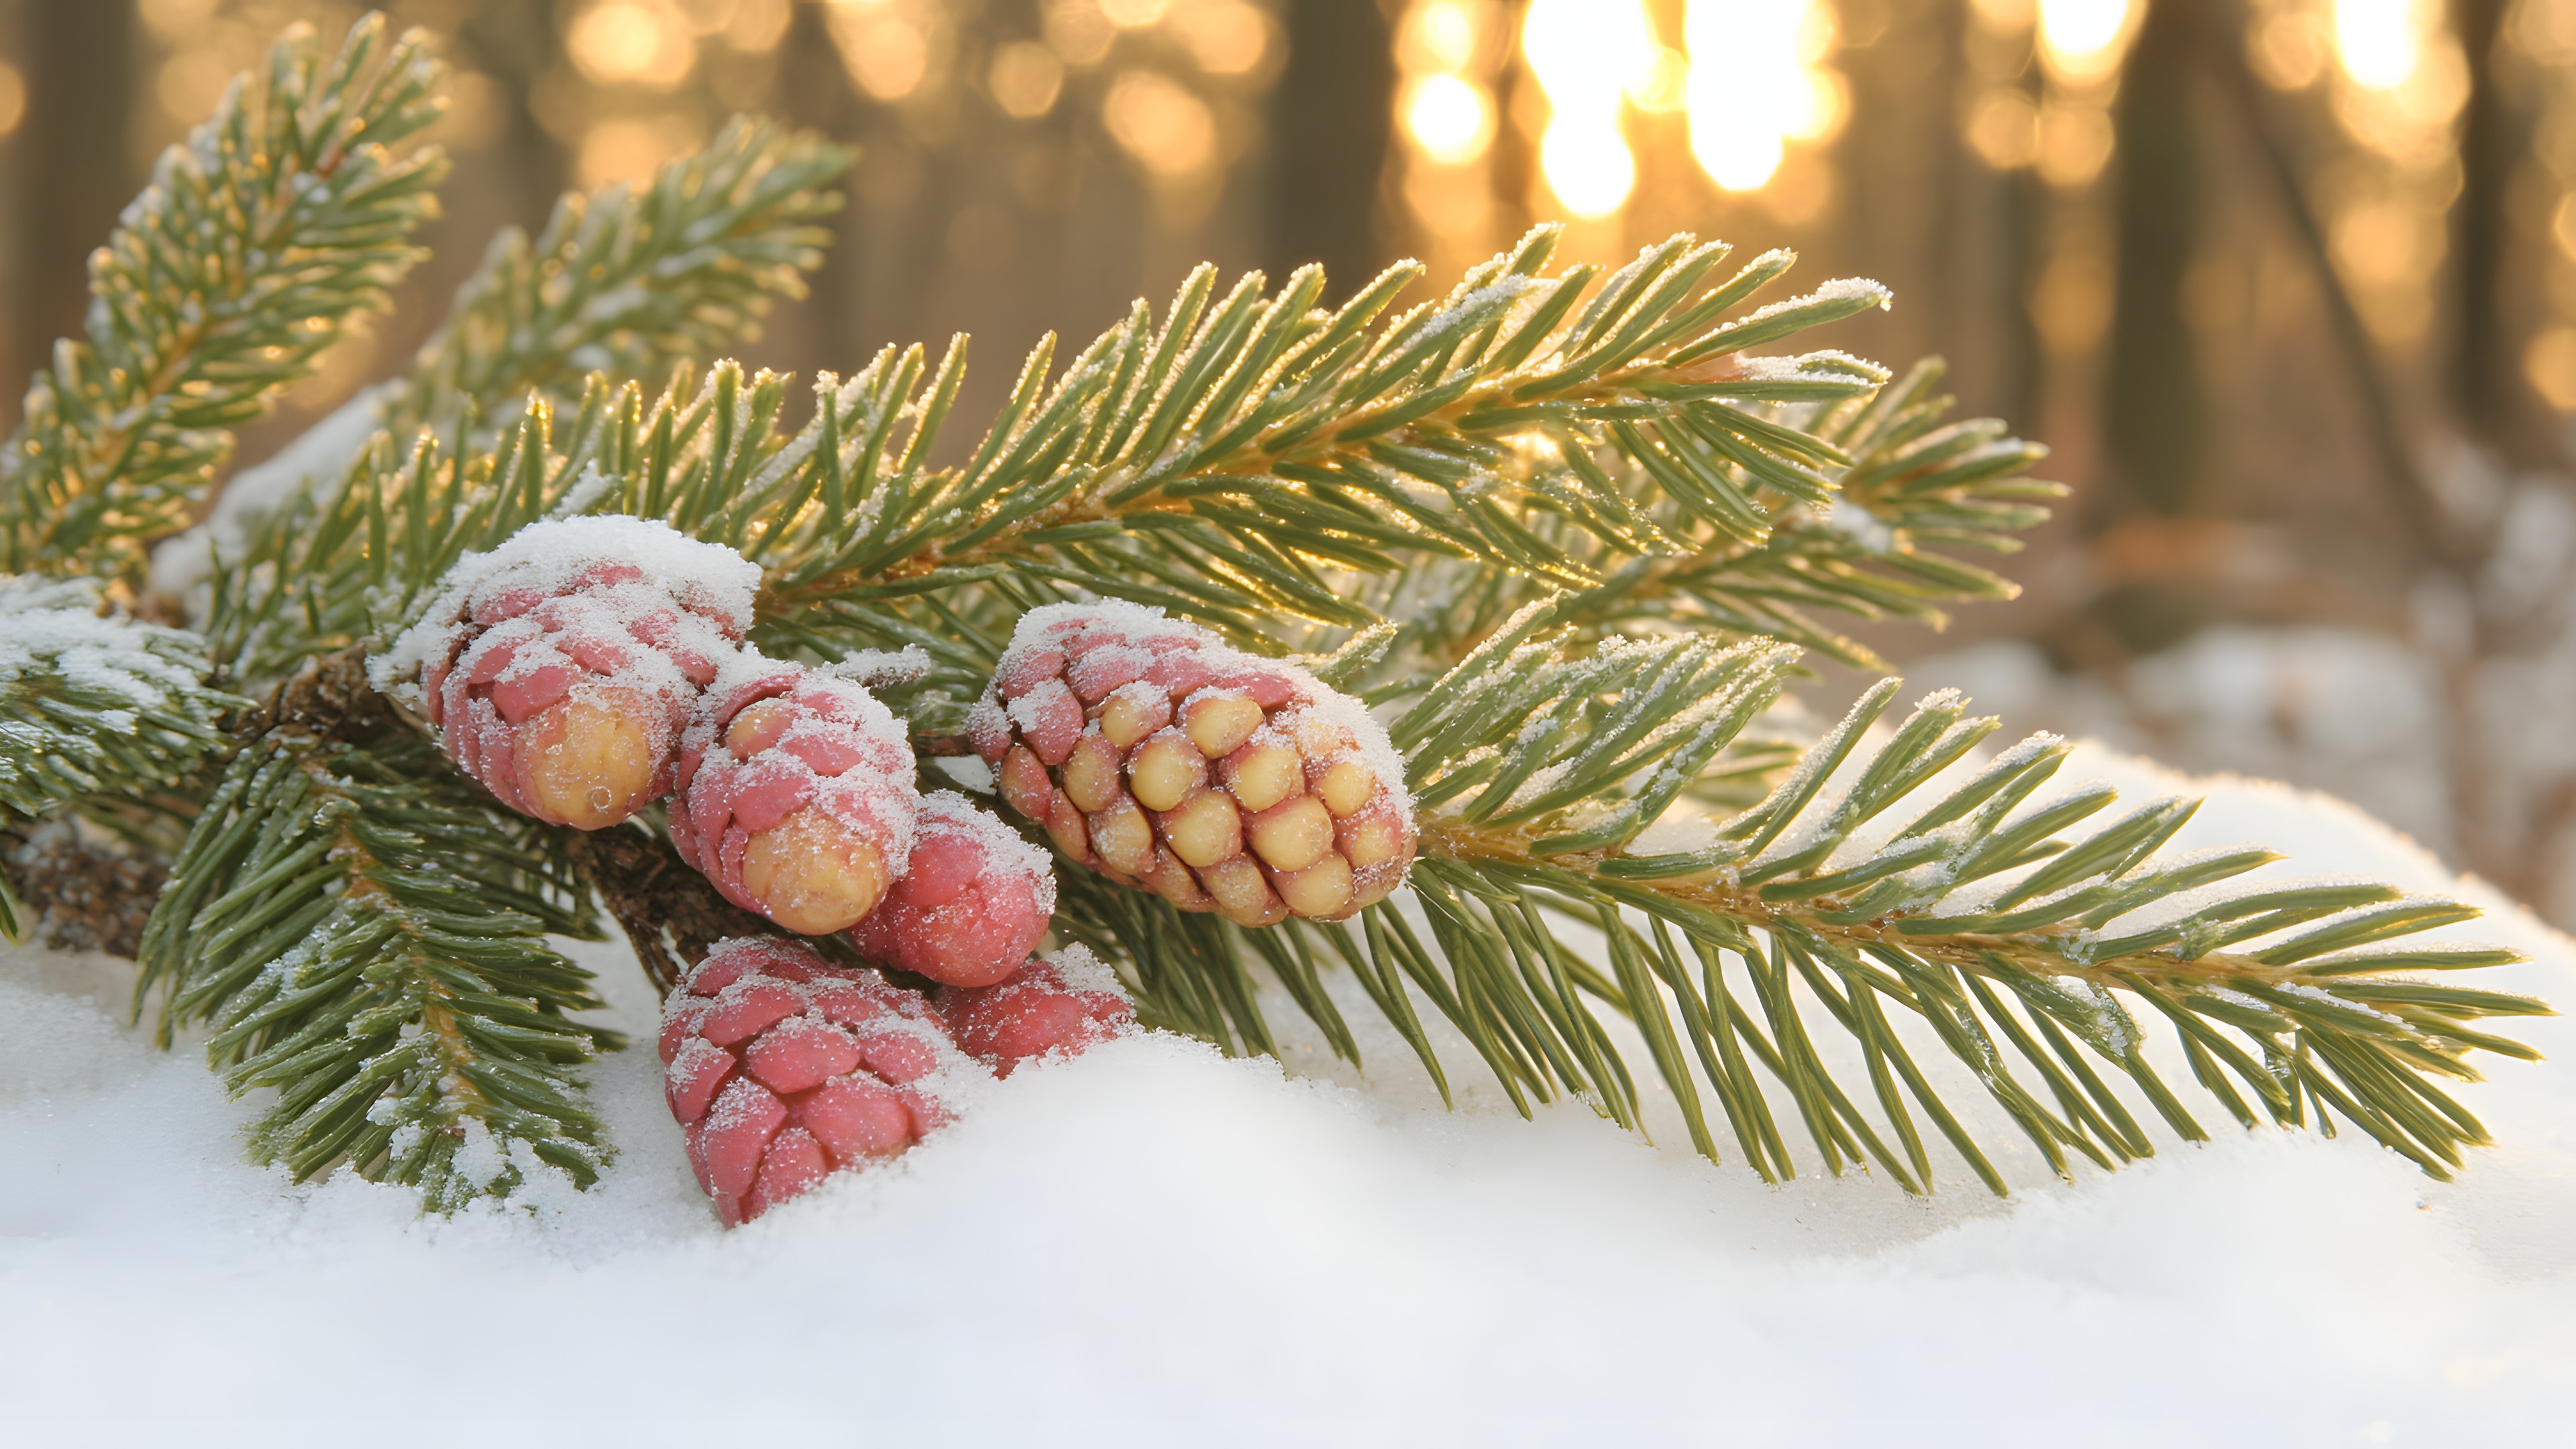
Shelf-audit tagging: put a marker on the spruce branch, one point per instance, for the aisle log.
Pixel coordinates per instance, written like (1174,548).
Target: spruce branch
(94,705)
(363,933)
(261,238)
(1571,535)
(627,281)
(2041,956)
(1255,463)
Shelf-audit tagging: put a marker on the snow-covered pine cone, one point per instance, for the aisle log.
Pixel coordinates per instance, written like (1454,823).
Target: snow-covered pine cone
(560,668)
(795,794)
(1161,757)
(782,1068)
(1067,1002)
(973,900)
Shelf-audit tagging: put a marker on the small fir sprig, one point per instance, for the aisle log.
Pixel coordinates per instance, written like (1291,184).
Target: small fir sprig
(94,705)
(629,280)
(363,933)
(261,238)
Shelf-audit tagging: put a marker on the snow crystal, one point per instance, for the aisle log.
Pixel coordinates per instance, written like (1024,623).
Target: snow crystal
(551,557)
(1860,525)
(1477,306)
(588,487)
(1802,367)
(55,627)
(1841,289)
(878,668)
(1081,971)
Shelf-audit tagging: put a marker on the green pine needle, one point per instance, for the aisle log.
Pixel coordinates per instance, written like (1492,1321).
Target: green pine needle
(363,934)
(94,706)
(261,237)
(628,280)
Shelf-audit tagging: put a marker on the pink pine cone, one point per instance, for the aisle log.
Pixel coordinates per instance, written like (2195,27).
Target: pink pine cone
(1066,1002)
(1157,755)
(783,1068)
(563,666)
(972,903)
(795,795)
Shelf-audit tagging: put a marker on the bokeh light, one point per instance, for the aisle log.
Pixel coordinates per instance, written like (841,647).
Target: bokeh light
(1225,37)
(1025,79)
(1757,83)
(2378,43)
(1449,117)
(1155,119)
(2082,41)
(887,47)
(1587,55)
(632,42)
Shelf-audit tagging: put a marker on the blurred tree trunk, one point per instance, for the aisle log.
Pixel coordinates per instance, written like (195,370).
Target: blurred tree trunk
(74,175)
(2024,223)
(2153,414)
(514,42)
(1332,124)
(1930,105)
(2485,383)
(814,92)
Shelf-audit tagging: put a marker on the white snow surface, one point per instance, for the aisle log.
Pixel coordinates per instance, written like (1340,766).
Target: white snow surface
(1154,1244)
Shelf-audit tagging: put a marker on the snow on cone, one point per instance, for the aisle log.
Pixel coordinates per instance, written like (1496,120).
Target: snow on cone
(795,794)
(972,903)
(1064,1002)
(560,668)
(784,1068)
(1161,757)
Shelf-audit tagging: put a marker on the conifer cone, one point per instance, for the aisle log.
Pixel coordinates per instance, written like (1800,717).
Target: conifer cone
(783,1068)
(1162,758)
(973,900)
(795,794)
(560,668)
(1064,1002)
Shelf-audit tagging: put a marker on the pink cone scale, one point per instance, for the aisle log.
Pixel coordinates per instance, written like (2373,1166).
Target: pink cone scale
(795,794)
(972,902)
(1156,754)
(1064,1003)
(783,1069)
(561,668)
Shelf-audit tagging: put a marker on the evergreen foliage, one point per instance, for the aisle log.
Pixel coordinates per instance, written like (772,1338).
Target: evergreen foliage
(363,932)
(278,222)
(631,280)
(1568,531)
(93,707)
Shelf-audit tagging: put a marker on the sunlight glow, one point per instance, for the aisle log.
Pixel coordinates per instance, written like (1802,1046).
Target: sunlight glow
(2082,40)
(2380,42)
(1756,84)
(1449,118)
(1587,55)
(629,42)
